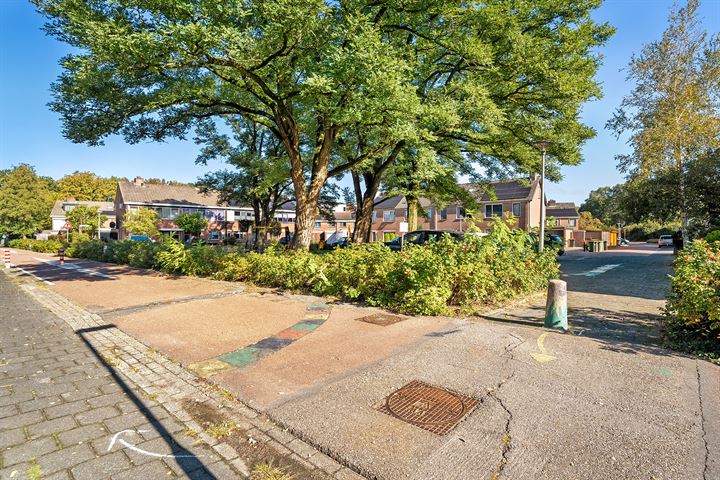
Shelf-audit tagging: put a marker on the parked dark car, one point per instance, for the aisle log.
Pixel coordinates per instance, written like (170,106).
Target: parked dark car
(340,243)
(551,241)
(421,237)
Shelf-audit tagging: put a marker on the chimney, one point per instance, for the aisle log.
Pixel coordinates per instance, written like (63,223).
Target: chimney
(551,203)
(139,181)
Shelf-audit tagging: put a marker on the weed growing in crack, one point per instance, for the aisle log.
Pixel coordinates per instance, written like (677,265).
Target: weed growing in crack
(267,471)
(222,429)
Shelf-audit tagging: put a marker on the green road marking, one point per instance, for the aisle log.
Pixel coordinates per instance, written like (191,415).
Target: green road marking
(304,326)
(664,372)
(241,357)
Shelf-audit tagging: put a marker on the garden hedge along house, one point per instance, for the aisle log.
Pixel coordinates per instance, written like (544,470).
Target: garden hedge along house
(169,201)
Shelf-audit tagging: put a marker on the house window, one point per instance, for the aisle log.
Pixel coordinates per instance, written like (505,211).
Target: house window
(443,214)
(389,216)
(429,213)
(459,212)
(493,210)
(572,222)
(374,235)
(318,224)
(214,235)
(374,216)
(174,212)
(343,224)
(516,209)
(165,212)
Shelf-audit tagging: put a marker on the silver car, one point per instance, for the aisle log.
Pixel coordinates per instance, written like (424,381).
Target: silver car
(665,241)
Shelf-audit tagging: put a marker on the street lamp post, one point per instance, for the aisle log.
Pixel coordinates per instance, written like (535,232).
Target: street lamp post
(542,145)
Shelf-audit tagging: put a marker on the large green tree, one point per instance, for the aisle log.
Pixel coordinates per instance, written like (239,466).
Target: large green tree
(485,78)
(149,70)
(673,113)
(88,186)
(25,202)
(490,79)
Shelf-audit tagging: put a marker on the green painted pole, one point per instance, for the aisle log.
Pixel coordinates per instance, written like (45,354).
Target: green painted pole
(556,306)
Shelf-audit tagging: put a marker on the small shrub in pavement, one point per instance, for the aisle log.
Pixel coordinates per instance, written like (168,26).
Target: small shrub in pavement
(42,246)
(693,306)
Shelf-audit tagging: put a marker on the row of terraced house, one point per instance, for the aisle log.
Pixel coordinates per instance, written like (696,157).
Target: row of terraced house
(518,198)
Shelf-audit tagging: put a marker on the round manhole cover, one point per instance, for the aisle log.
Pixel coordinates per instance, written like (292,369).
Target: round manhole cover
(426,405)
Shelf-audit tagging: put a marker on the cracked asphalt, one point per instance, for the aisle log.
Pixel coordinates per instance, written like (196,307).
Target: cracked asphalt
(610,403)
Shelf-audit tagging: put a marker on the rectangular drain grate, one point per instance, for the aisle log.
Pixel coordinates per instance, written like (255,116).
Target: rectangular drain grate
(382,319)
(434,409)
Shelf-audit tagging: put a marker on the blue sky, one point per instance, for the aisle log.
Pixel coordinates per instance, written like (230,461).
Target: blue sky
(31,133)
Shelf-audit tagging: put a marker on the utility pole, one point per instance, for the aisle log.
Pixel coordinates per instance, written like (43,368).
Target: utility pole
(542,145)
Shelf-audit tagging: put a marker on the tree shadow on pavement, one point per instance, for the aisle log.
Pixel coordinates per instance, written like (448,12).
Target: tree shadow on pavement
(191,465)
(616,330)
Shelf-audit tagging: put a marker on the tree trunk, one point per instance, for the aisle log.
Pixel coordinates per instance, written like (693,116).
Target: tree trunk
(412,213)
(683,207)
(366,201)
(307,200)
(363,222)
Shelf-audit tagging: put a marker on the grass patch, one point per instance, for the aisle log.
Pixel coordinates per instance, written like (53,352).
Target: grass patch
(222,429)
(267,471)
(33,472)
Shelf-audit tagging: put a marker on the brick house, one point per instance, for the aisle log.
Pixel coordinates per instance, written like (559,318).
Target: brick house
(520,198)
(169,201)
(565,214)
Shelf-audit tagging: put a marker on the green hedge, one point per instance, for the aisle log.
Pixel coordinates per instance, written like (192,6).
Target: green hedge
(426,280)
(44,246)
(693,306)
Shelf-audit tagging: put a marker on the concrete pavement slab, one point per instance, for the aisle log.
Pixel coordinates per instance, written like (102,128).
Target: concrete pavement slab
(205,329)
(338,346)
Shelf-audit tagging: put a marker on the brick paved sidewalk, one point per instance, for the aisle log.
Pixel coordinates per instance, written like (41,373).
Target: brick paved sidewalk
(81,399)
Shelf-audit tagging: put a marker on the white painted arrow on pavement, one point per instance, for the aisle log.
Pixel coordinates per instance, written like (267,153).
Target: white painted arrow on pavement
(116,439)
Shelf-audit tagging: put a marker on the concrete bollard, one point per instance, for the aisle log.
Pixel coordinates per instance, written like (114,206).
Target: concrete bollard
(7,258)
(61,252)
(556,306)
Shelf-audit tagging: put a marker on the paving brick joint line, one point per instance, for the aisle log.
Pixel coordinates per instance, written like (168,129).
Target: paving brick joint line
(163,383)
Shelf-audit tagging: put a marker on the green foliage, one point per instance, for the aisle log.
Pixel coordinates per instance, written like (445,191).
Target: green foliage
(44,246)
(87,186)
(192,223)
(588,222)
(452,80)
(693,306)
(142,221)
(673,112)
(648,230)
(197,260)
(425,280)
(25,202)
(713,236)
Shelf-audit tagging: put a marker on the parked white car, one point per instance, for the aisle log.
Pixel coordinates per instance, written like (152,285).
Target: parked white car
(665,241)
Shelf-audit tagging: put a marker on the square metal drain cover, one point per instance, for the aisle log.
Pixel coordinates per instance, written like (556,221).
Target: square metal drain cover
(432,408)
(382,319)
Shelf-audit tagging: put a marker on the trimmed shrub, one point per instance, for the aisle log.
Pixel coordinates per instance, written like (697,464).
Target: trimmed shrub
(693,306)
(43,246)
